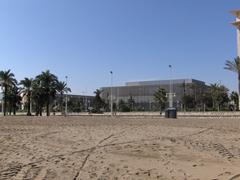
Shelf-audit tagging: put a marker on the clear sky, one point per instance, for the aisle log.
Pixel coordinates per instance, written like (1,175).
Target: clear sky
(136,39)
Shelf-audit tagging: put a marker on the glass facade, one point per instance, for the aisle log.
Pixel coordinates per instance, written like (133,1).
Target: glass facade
(143,92)
(79,103)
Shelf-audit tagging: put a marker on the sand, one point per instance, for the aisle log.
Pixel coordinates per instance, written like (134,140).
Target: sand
(121,148)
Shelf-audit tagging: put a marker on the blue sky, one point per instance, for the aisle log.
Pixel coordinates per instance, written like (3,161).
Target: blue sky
(136,39)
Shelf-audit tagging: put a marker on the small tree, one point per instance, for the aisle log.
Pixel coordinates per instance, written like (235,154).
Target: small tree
(48,84)
(207,100)
(189,102)
(219,95)
(234,98)
(62,88)
(38,96)
(27,91)
(123,107)
(194,92)
(7,81)
(98,102)
(161,98)
(14,99)
(131,103)
(234,66)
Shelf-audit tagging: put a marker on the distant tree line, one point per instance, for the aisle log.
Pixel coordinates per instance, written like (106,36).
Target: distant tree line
(216,97)
(39,93)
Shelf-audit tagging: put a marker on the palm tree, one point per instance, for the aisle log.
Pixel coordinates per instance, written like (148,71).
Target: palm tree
(131,103)
(234,66)
(196,92)
(61,89)
(123,106)
(219,94)
(48,82)
(98,101)
(7,81)
(14,99)
(234,97)
(189,102)
(38,97)
(27,91)
(160,97)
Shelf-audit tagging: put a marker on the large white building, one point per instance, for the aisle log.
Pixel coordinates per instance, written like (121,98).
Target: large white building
(142,92)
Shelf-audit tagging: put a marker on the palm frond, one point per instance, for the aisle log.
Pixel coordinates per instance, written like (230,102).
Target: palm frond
(233,66)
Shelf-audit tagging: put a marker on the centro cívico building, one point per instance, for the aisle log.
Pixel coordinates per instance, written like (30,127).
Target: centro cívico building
(142,92)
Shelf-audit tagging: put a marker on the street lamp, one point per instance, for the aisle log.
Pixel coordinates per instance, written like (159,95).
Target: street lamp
(171,112)
(236,23)
(236,13)
(66,99)
(170,94)
(111,93)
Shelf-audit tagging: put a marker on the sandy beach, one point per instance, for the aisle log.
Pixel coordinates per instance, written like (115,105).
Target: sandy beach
(120,148)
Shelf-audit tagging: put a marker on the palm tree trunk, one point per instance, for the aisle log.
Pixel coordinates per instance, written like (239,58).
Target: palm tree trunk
(14,110)
(61,103)
(40,111)
(29,104)
(5,101)
(10,107)
(47,106)
(36,113)
(37,109)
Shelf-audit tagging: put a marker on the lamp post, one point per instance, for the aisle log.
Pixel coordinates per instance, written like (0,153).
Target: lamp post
(171,112)
(66,98)
(111,93)
(236,23)
(170,94)
(236,13)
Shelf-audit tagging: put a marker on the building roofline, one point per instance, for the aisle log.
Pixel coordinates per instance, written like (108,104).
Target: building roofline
(79,95)
(166,83)
(142,83)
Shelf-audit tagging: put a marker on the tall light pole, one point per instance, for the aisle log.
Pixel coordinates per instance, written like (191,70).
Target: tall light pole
(66,98)
(236,13)
(170,94)
(111,93)
(170,88)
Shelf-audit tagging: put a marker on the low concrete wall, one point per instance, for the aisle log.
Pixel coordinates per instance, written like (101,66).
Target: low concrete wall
(183,114)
